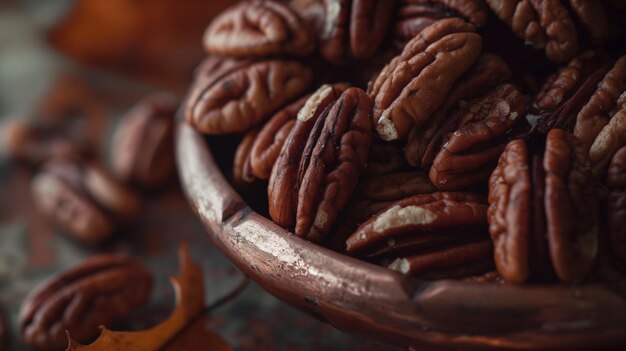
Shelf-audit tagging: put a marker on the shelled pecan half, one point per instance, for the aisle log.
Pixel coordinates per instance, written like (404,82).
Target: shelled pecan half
(468,144)
(430,235)
(142,150)
(347,28)
(242,167)
(543,213)
(321,163)
(83,199)
(236,95)
(258,28)
(271,139)
(616,181)
(36,143)
(415,15)
(374,193)
(486,74)
(415,84)
(101,290)
(541,24)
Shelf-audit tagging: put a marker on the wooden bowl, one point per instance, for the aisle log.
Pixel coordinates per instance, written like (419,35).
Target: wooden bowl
(361,298)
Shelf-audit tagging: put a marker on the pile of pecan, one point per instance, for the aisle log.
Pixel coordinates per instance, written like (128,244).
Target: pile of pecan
(442,139)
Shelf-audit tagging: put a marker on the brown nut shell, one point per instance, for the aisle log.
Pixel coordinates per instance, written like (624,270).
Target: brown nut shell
(415,83)
(258,28)
(100,291)
(245,95)
(142,151)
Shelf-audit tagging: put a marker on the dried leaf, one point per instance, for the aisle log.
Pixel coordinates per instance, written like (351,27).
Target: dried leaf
(189,288)
(157,41)
(197,337)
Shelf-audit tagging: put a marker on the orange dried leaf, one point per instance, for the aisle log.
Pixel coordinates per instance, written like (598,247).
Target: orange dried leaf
(189,288)
(197,337)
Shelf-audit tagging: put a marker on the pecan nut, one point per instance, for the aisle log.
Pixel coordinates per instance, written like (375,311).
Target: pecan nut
(543,213)
(385,158)
(487,73)
(604,113)
(542,24)
(610,139)
(374,193)
(347,27)
(258,28)
(616,181)
(271,139)
(101,290)
(565,93)
(329,164)
(34,144)
(242,94)
(415,15)
(473,138)
(142,150)
(284,179)
(83,199)
(459,260)
(587,96)
(242,168)
(369,22)
(414,84)
(427,235)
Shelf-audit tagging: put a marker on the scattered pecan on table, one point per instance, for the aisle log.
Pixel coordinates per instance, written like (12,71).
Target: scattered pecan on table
(142,150)
(83,198)
(99,291)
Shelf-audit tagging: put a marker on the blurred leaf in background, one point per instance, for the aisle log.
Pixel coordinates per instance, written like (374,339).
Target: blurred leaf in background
(157,41)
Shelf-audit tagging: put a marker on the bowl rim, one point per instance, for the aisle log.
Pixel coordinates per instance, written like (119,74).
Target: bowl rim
(364,299)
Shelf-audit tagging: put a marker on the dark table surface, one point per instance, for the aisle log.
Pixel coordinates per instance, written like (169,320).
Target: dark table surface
(37,82)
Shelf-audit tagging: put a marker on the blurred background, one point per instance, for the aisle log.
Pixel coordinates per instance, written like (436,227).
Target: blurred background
(91,60)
